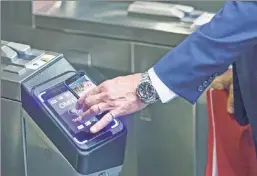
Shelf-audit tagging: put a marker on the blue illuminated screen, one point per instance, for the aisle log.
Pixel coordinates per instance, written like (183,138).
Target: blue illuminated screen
(64,105)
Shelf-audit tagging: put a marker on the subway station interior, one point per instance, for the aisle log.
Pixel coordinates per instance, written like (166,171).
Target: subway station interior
(45,42)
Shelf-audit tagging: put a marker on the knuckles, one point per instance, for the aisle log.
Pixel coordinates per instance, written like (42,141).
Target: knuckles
(86,102)
(112,104)
(93,109)
(107,96)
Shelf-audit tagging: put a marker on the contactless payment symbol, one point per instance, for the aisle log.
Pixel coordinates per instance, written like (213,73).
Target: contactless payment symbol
(53,101)
(74,111)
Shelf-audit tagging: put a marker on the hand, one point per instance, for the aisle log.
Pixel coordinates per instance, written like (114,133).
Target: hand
(118,96)
(225,82)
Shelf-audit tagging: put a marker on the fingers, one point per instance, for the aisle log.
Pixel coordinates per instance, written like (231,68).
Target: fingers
(93,91)
(223,81)
(218,84)
(93,111)
(93,100)
(104,121)
(230,102)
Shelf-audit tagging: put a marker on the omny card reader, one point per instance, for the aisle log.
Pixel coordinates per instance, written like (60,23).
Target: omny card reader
(51,105)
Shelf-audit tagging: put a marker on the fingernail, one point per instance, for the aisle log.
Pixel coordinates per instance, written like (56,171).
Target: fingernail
(84,108)
(93,129)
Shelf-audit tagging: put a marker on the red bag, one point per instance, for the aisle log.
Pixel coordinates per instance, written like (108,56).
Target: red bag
(231,150)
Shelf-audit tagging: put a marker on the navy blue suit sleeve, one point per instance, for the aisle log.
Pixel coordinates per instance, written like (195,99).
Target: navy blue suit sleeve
(189,68)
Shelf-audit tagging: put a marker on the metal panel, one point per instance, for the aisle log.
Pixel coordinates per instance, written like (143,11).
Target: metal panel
(168,139)
(108,19)
(12,159)
(16,12)
(105,53)
(145,56)
(130,167)
(171,134)
(201,129)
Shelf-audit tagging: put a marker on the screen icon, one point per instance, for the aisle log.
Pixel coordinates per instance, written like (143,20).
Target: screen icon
(80,127)
(88,123)
(53,101)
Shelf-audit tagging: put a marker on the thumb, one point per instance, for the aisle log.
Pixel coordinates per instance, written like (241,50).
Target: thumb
(230,102)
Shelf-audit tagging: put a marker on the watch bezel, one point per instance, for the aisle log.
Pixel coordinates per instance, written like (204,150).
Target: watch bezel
(149,98)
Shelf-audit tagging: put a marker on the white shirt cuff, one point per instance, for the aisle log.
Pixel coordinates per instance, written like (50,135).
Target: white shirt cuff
(163,91)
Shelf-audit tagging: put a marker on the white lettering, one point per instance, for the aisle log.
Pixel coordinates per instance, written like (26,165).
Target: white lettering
(67,103)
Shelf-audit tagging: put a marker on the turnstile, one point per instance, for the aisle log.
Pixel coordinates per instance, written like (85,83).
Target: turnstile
(33,143)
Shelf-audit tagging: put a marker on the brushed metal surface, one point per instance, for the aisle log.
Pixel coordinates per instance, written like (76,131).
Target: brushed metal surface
(11,81)
(108,19)
(201,131)
(172,135)
(147,55)
(18,12)
(166,140)
(99,52)
(12,151)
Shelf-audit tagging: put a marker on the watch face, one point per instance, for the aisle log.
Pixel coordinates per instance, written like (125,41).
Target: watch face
(146,91)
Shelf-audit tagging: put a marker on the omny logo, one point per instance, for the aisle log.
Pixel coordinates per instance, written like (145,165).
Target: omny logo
(68,102)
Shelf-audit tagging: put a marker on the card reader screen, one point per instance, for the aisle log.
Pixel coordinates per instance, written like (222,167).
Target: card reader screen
(64,105)
(81,85)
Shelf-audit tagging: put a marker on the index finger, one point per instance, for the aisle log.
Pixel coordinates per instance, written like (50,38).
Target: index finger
(103,122)
(92,91)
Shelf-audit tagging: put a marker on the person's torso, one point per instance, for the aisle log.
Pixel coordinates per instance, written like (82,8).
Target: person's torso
(246,68)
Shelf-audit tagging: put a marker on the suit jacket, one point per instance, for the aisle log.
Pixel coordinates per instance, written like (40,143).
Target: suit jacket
(231,37)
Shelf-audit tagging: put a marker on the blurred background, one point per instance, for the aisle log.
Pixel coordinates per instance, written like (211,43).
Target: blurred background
(119,38)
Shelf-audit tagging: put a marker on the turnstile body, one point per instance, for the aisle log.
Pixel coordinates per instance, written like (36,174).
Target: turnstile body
(26,149)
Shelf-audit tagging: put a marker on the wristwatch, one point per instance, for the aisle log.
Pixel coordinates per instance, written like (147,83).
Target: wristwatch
(145,90)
